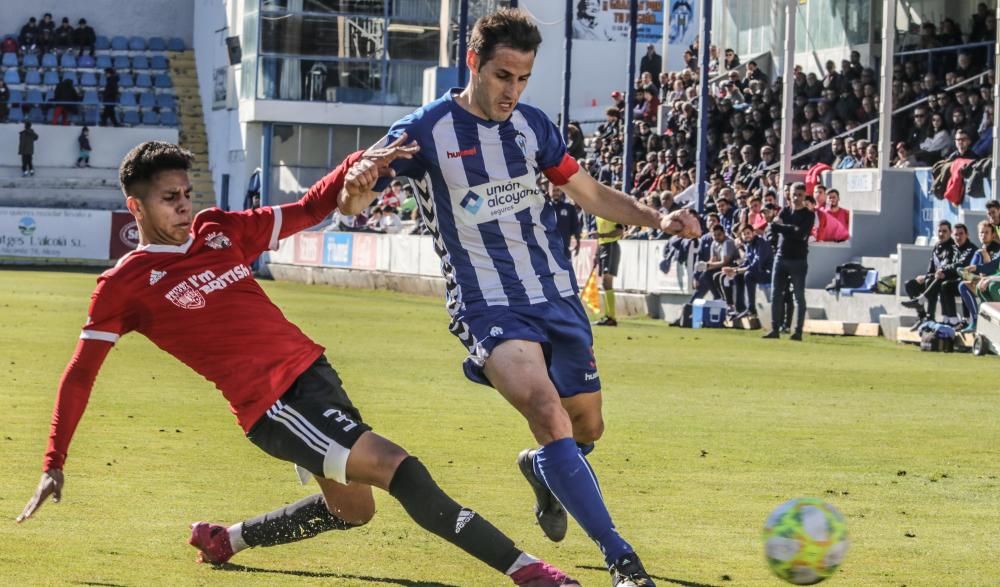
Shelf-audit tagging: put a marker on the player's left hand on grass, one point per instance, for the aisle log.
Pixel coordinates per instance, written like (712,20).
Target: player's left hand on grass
(682,223)
(51,483)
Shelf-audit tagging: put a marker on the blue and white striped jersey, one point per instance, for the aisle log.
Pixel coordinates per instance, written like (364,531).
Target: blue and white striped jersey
(476,184)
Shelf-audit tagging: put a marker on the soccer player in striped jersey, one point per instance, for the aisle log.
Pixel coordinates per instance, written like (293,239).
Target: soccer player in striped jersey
(189,289)
(511,291)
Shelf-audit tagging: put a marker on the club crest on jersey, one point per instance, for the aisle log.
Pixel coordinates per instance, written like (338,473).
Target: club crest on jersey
(217,241)
(522,142)
(185,296)
(472,202)
(155,276)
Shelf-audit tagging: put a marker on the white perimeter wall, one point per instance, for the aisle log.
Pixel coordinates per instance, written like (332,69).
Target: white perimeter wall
(145,18)
(57,146)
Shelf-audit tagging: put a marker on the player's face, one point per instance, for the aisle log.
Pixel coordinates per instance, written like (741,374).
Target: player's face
(497,85)
(164,214)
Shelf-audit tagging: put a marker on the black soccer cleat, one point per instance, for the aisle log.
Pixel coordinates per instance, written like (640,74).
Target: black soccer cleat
(629,572)
(548,511)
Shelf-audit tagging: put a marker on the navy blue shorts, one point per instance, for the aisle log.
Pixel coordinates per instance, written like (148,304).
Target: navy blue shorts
(561,327)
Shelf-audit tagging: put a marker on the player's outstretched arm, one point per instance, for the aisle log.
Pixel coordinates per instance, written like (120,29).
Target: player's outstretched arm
(74,392)
(358,192)
(601,200)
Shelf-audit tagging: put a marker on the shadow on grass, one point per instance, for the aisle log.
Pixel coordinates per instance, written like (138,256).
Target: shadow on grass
(324,575)
(667,580)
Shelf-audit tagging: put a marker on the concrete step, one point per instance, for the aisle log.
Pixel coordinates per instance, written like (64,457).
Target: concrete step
(54,197)
(46,174)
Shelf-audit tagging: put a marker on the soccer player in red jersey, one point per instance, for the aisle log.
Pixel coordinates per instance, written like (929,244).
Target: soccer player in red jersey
(189,289)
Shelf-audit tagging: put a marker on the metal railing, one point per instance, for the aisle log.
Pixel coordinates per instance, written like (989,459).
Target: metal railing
(901,55)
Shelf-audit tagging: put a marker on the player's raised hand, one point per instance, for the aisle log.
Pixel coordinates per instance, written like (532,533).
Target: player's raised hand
(51,483)
(384,156)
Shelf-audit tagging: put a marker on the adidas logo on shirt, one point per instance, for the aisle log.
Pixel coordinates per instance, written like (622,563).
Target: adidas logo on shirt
(155,276)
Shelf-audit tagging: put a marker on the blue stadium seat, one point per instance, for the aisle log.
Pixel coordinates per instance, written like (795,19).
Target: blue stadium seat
(143,81)
(50,95)
(156,44)
(35,116)
(166,102)
(102,43)
(127,100)
(33,78)
(168,119)
(140,62)
(90,116)
(136,44)
(15,116)
(119,43)
(71,76)
(175,44)
(49,60)
(11,77)
(88,79)
(160,62)
(51,78)
(90,97)
(16,96)
(86,61)
(125,80)
(67,60)
(121,63)
(147,100)
(103,62)
(163,81)
(9,60)
(33,97)
(150,118)
(130,117)
(30,60)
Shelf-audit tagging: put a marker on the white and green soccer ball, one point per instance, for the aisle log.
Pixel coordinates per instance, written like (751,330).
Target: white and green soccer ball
(805,540)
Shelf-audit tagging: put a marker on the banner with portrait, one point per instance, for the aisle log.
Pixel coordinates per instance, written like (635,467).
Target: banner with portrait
(607,20)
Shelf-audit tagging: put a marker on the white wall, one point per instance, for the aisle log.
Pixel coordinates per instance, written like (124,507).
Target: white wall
(145,18)
(57,146)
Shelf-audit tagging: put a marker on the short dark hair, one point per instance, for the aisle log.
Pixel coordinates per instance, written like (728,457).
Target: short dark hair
(944,223)
(508,27)
(832,191)
(962,226)
(719,228)
(149,158)
(992,204)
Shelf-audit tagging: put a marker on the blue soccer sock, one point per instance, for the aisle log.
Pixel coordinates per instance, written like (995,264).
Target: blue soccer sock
(568,475)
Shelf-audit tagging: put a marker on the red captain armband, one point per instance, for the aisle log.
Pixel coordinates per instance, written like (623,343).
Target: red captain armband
(560,174)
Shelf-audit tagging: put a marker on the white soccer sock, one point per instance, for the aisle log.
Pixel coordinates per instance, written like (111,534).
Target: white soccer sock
(236,538)
(522,561)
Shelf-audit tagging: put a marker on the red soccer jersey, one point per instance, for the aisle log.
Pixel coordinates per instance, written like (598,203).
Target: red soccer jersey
(200,303)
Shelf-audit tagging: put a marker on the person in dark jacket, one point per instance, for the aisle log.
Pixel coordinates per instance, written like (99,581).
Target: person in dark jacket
(110,97)
(793,225)
(84,141)
(65,97)
(26,149)
(927,287)
(84,37)
(63,36)
(754,268)
(567,220)
(964,252)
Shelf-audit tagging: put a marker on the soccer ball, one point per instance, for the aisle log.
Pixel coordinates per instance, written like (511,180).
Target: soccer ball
(805,540)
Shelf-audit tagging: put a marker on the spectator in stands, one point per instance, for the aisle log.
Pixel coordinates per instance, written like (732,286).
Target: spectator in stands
(9,45)
(963,146)
(4,101)
(46,41)
(63,36)
(574,141)
(650,106)
(47,23)
(722,254)
(85,38)
(109,96)
(871,156)
(842,215)
(965,251)
(567,221)
(754,268)
(732,59)
(905,157)
(651,62)
(84,143)
(938,138)
(925,288)
(65,97)
(390,223)
(612,124)
(993,211)
(985,262)
(393,196)
(26,149)
(792,225)
(28,38)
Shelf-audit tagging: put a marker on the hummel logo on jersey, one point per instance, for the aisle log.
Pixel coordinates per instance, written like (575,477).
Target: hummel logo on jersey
(155,276)
(464,517)
(217,240)
(471,151)
(472,202)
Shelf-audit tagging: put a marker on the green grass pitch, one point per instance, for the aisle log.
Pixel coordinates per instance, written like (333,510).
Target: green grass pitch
(707,431)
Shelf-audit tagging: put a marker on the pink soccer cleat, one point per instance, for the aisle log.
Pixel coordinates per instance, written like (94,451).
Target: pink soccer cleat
(542,574)
(212,541)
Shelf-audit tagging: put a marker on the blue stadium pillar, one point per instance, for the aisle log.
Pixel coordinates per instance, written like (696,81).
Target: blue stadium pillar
(567,67)
(704,44)
(463,41)
(633,18)
(265,164)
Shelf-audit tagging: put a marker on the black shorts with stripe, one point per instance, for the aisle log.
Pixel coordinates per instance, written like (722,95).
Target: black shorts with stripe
(609,256)
(314,424)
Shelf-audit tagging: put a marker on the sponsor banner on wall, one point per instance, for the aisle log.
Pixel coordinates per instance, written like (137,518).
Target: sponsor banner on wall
(337,249)
(682,32)
(54,233)
(124,235)
(308,248)
(365,253)
(583,262)
(607,20)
